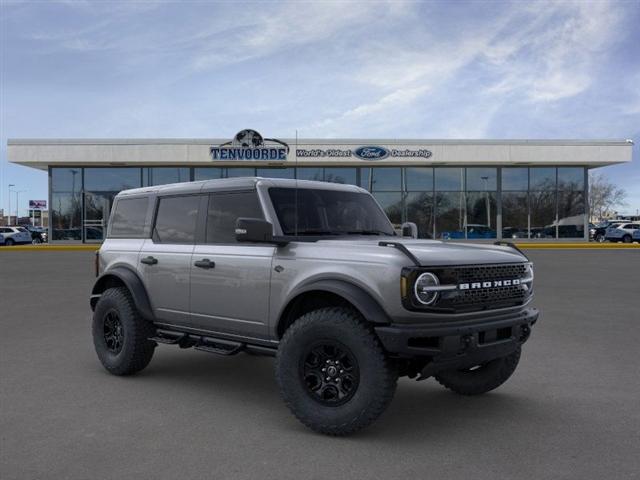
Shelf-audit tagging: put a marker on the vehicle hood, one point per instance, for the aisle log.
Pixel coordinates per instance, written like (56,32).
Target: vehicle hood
(435,252)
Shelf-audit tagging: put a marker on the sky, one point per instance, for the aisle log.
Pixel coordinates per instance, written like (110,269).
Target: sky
(374,69)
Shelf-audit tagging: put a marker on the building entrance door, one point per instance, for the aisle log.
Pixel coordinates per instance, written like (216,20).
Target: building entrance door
(97,207)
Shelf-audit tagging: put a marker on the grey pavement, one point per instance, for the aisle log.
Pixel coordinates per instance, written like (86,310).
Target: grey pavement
(571,411)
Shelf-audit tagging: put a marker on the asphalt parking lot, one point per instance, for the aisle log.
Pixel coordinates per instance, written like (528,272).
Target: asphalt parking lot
(572,409)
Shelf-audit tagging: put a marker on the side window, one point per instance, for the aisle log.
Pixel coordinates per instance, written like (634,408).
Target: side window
(224,210)
(176,219)
(129,217)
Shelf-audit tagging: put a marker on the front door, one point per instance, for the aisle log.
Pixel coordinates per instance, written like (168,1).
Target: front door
(230,280)
(165,259)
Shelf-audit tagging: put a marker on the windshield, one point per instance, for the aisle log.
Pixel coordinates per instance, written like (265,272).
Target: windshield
(328,212)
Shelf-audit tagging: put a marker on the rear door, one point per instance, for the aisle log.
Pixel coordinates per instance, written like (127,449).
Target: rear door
(165,258)
(230,280)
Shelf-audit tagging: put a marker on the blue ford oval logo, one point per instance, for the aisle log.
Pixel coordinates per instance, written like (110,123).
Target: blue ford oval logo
(371,153)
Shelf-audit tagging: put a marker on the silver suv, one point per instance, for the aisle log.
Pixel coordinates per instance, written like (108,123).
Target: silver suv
(313,274)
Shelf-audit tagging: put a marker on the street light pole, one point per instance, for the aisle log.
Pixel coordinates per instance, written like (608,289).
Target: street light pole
(18,192)
(9,212)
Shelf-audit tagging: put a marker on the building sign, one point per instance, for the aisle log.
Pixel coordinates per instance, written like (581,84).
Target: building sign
(366,152)
(38,204)
(35,213)
(250,145)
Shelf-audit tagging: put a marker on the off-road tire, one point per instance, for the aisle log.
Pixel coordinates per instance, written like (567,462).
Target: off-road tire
(377,377)
(483,379)
(136,350)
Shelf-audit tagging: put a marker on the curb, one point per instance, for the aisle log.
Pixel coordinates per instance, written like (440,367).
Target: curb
(48,248)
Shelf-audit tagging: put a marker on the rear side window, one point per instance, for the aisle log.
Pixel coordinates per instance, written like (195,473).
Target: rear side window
(176,219)
(129,218)
(225,209)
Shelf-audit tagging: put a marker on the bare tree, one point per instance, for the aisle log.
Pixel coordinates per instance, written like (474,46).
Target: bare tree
(604,196)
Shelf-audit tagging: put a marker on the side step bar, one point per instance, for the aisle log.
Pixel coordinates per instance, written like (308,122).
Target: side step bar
(219,346)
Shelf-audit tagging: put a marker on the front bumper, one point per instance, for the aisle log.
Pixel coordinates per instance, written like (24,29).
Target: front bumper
(452,345)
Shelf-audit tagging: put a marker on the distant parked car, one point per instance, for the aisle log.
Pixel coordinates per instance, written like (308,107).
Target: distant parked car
(15,235)
(514,232)
(635,236)
(622,232)
(38,234)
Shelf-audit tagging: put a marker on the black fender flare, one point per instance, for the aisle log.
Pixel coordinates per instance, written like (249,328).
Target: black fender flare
(133,283)
(357,296)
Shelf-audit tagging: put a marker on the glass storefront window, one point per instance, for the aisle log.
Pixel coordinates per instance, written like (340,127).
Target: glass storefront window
(419,207)
(164,175)
(515,215)
(391,203)
(449,221)
(543,214)
(571,178)
(482,179)
(207,173)
(365,178)
(111,179)
(240,172)
(515,179)
(449,179)
(542,178)
(66,216)
(340,175)
(386,179)
(571,211)
(276,172)
(66,179)
(481,215)
(310,173)
(418,179)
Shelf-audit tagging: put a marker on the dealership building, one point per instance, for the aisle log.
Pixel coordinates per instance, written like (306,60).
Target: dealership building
(452,189)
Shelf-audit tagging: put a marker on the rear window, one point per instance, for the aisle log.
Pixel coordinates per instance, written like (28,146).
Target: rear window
(129,217)
(22,229)
(176,219)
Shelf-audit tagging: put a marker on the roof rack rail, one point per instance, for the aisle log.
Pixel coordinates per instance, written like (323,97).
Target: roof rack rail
(403,249)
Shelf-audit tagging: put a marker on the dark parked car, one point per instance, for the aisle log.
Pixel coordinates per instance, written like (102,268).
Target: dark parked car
(599,233)
(38,234)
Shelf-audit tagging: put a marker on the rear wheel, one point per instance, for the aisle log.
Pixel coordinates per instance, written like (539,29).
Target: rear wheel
(626,239)
(120,334)
(36,241)
(9,242)
(480,378)
(332,372)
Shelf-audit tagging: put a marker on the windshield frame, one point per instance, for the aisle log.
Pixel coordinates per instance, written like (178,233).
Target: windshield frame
(324,233)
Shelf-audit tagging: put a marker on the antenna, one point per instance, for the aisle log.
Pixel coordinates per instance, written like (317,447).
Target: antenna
(295,208)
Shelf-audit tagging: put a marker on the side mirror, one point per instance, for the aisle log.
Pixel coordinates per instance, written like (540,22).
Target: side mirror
(409,229)
(254,230)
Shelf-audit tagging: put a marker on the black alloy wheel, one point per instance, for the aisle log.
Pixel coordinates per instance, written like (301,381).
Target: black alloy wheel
(113,332)
(330,373)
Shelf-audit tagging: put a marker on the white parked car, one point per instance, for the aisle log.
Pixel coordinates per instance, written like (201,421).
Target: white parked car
(15,235)
(623,232)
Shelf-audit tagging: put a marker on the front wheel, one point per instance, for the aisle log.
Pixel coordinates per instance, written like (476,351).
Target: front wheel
(120,334)
(599,238)
(332,372)
(626,239)
(480,378)
(9,242)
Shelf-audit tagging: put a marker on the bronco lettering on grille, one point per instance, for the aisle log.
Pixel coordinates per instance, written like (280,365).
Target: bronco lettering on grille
(489,284)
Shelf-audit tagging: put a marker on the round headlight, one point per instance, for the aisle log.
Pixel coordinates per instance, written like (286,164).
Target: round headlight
(422,288)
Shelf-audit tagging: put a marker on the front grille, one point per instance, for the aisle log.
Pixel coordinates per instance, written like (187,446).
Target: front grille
(485,298)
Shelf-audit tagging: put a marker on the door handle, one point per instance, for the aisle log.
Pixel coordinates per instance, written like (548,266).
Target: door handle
(205,263)
(149,260)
